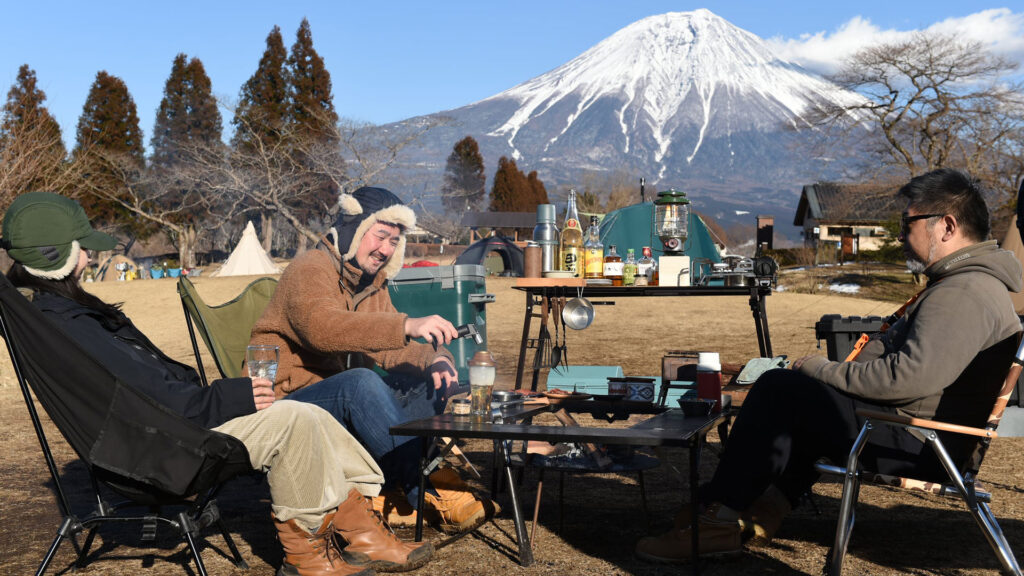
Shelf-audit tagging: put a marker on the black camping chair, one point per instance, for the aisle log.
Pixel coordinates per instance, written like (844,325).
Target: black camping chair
(132,445)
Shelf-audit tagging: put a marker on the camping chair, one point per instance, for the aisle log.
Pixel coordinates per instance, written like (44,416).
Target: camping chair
(225,328)
(132,445)
(962,479)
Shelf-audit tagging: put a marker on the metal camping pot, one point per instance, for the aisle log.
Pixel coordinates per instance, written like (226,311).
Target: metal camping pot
(738,279)
(578,313)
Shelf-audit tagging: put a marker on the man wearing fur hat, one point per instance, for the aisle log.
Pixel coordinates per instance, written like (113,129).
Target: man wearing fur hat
(331,314)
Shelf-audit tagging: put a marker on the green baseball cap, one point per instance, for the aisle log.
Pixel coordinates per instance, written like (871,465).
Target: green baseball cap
(40,230)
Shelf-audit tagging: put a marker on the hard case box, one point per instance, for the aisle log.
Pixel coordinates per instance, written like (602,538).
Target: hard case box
(456,293)
(840,333)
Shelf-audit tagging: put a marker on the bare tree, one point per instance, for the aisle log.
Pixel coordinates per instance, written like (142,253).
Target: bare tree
(26,159)
(928,102)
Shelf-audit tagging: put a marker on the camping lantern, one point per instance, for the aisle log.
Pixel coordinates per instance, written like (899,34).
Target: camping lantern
(671,217)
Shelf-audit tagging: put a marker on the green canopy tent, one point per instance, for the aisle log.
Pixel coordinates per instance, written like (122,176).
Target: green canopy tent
(633,227)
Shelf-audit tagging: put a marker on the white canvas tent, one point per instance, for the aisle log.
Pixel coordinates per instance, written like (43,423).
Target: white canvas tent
(248,257)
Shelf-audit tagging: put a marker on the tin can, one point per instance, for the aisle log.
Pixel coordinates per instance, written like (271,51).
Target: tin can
(533,260)
(460,406)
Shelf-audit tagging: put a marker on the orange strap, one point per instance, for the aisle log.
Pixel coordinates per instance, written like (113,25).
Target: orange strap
(864,338)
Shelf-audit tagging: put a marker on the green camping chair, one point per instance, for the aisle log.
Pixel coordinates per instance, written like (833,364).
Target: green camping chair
(225,328)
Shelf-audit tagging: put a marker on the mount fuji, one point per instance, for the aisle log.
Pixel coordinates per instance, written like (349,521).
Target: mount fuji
(685,99)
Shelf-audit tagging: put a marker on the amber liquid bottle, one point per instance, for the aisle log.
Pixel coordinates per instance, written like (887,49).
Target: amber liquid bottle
(572,239)
(593,263)
(613,266)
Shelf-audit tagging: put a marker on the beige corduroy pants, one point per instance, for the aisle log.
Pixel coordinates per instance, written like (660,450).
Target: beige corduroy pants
(311,461)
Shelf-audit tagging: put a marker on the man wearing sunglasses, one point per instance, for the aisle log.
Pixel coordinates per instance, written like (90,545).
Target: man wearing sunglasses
(944,358)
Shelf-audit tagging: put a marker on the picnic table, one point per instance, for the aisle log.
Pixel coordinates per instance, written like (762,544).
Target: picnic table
(513,421)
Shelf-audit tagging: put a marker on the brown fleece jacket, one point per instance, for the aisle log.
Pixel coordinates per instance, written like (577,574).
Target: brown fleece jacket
(324,326)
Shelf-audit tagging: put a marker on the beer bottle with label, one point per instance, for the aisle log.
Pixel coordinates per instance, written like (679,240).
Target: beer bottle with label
(572,239)
(629,268)
(613,266)
(593,262)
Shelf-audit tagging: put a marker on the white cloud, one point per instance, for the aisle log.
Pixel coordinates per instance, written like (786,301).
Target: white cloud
(998,29)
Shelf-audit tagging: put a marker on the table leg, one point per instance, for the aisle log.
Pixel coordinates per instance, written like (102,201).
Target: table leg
(421,499)
(757,307)
(523,341)
(696,444)
(523,538)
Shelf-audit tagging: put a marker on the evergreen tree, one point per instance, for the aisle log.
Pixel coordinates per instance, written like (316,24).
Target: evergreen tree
(262,110)
(109,141)
(187,114)
(312,104)
(464,177)
(538,193)
(31,148)
(505,186)
(187,129)
(313,127)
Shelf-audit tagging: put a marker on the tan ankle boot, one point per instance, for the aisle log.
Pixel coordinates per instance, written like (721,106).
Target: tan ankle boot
(717,537)
(394,507)
(371,542)
(308,554)
(761,521)
(457,509)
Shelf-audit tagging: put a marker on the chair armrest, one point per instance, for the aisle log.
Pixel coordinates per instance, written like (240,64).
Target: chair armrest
(922,423)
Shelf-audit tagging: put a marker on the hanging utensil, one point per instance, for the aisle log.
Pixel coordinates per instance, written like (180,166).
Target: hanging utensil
(556,350)
(542,358)
(565,349)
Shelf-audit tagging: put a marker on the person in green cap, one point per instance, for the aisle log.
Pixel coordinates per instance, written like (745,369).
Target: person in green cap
(319,474)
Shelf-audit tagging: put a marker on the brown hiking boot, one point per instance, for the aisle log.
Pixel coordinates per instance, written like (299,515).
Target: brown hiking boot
(371,543)
(308,554)
(761,521)
(717,538)
(394,508)
(457,509)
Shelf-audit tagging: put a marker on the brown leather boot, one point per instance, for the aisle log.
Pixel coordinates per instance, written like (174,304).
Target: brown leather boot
(371,542)
(308,554)
(394,507)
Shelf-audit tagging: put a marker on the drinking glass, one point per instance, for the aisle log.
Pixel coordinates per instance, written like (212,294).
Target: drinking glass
(262,362)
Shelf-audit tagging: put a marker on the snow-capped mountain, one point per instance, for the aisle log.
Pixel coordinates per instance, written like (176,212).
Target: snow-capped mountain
(684,99)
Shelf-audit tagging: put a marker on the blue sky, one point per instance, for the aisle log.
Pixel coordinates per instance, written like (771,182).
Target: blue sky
(391,60)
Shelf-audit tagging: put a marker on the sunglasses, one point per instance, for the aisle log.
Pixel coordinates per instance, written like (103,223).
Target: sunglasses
(906,220)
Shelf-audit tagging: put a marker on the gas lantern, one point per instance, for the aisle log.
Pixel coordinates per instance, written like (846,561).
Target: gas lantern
(671,218)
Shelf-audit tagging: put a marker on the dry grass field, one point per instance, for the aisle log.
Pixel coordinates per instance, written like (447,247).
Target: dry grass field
(896,533)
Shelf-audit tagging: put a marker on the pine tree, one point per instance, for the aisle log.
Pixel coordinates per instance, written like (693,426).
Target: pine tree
(187,115)
(313,126)
(109,140)
(505,186)
(31,149)
(538,193)
(187,128)
(262,110)
(464,178)
(312,104)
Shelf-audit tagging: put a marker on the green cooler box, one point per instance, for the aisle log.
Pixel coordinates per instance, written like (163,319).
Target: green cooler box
(456,293)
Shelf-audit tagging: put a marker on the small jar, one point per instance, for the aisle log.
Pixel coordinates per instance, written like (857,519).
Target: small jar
(460,406)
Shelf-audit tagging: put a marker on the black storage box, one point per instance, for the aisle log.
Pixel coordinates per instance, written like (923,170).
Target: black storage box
(840,333)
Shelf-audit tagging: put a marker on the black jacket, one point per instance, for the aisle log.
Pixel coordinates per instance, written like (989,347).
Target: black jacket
(133,359)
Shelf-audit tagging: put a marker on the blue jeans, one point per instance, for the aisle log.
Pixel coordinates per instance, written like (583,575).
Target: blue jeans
(367,406)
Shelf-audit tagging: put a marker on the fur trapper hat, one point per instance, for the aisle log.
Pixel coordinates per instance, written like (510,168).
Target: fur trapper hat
(45,232)
(362,209)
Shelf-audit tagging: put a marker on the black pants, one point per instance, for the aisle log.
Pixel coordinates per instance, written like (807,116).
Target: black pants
(787,423)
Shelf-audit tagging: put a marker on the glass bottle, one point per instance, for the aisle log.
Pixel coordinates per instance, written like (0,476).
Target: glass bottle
(613,266)
(593,262)
(572,238)
(629,268)
(648,266)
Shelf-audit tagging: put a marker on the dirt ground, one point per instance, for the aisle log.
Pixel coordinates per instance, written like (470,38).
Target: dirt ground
(897,533)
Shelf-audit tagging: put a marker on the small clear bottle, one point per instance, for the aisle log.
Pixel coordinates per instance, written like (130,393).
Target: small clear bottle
(593,250)
(647,265)
(629,268)
(613,266)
